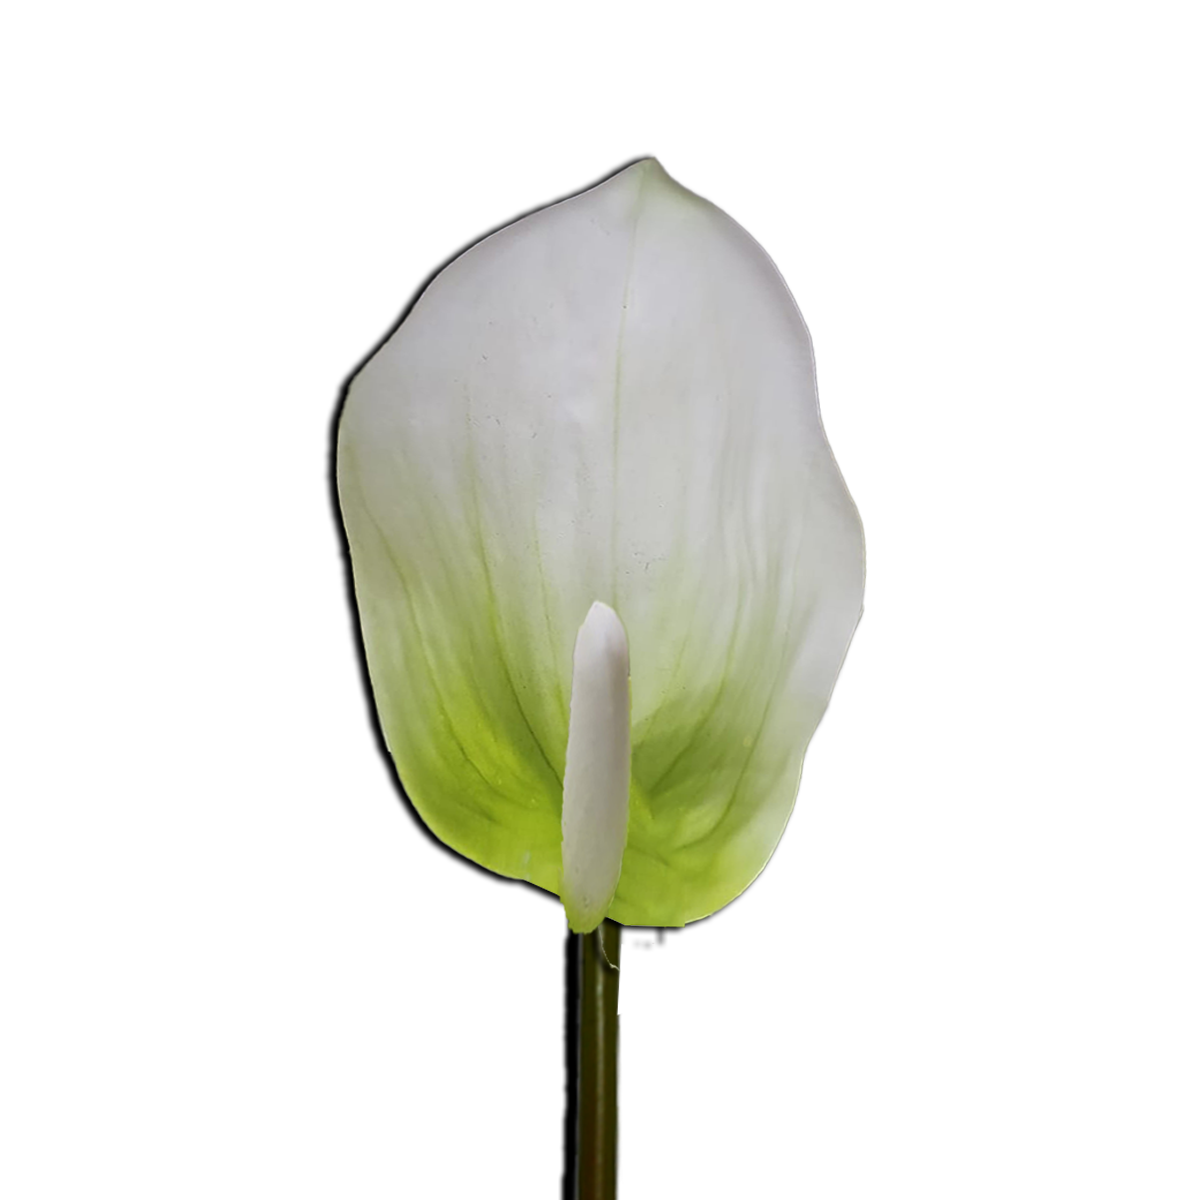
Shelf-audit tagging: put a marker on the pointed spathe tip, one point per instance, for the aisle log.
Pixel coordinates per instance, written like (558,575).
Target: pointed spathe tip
(645,169)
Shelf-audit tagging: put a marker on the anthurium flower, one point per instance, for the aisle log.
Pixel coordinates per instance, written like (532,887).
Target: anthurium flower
(606,567)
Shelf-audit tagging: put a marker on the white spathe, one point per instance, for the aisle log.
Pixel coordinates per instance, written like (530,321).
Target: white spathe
(611,399)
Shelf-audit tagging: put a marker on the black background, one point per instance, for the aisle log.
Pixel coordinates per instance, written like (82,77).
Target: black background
(451,991)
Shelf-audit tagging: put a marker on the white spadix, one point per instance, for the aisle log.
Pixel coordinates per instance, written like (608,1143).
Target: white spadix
(595,815)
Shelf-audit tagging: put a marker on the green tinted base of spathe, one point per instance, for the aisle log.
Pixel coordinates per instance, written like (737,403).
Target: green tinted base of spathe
(663,883)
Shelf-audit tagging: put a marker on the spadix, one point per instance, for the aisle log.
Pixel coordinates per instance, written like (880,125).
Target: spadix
(596,782)
(612,400)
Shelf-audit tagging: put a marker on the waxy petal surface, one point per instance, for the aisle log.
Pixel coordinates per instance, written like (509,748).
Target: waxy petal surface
(610,400)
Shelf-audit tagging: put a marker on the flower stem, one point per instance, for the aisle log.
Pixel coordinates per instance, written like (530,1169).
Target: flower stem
(593,976)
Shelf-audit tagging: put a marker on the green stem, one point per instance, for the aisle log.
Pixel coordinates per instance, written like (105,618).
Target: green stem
(594,960)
